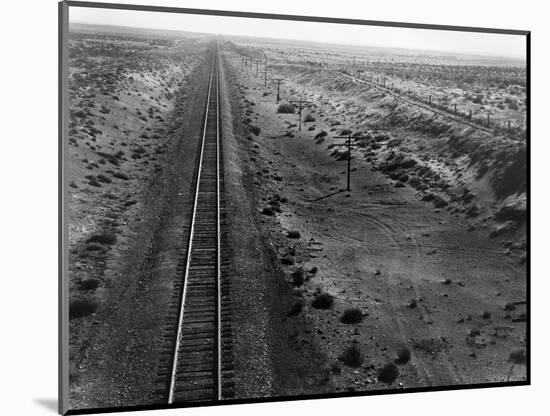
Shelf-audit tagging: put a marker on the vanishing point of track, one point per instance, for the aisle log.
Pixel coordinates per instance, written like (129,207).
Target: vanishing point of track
(198,361)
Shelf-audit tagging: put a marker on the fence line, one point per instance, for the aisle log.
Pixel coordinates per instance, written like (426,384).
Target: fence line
(428,107)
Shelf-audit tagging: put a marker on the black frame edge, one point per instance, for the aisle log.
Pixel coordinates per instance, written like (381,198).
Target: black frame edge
(341,395)
(63,290)
(528,178)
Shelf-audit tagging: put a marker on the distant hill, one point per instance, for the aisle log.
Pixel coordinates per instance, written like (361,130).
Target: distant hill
(131,31)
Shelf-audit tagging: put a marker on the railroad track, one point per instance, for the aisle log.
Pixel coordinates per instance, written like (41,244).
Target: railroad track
(196,364)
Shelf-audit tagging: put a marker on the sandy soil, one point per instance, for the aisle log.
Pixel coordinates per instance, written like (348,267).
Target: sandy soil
(424,278)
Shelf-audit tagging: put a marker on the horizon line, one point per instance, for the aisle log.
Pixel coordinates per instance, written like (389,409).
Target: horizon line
(447,52)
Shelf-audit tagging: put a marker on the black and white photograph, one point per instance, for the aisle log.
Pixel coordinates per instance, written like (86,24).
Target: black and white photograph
(261,208)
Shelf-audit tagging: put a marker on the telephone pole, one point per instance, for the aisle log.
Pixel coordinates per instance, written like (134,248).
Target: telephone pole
(279,82)
(348,144)
(265,66)
(300,102)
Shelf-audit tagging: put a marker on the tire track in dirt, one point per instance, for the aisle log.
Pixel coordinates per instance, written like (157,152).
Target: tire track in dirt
(394,230)
(391,230)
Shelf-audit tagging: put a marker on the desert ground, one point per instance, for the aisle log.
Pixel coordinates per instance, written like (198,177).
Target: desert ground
(415,277)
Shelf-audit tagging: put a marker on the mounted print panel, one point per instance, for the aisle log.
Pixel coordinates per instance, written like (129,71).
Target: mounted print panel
(261,207)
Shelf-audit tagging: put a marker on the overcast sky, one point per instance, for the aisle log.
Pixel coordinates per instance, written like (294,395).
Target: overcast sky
(434,40)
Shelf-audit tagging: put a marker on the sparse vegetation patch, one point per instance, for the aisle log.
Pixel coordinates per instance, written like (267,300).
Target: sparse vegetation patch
(285,108)
(322,301)
(352,316)
(352,356)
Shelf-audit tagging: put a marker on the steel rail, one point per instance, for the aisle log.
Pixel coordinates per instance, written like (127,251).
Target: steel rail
(218,259)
